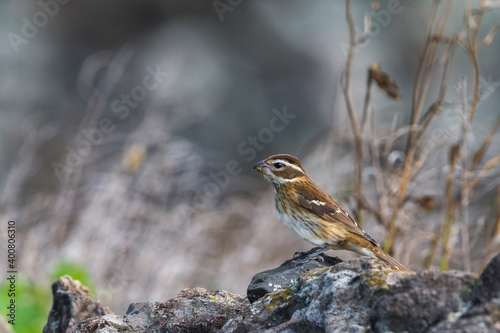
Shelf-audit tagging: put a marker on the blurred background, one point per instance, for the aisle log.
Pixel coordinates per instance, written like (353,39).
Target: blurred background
(128,132)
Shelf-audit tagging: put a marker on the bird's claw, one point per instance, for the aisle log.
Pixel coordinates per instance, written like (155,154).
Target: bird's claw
(308,252)
(314,253)
(299,254)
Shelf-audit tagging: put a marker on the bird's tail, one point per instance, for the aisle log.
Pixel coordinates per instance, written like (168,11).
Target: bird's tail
(377,251)
(365,245)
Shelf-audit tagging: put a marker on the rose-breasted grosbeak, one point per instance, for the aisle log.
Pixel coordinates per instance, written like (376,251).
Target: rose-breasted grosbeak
(312,214)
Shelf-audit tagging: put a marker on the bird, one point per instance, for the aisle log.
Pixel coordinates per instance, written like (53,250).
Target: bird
(313,215)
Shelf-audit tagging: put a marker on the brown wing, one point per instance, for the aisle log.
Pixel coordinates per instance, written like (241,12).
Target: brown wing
(329,210)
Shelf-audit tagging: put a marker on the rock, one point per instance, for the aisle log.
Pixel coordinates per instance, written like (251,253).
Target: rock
(476,324)
(438,302)
(199,310)
(419,301)
(192,310)
(140,315)
(139,318)
(358,295)
(482,312)
(331,299)
(488,286)
(284,276)
(71,305)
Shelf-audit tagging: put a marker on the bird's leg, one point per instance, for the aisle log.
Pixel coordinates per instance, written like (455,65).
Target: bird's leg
(313,253)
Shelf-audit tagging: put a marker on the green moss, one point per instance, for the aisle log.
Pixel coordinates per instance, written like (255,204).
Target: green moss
(494,309)
(314,273)
(285,295)
(376,279)
(278,298)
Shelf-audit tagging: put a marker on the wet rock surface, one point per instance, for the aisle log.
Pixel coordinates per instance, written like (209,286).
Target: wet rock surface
(284,276)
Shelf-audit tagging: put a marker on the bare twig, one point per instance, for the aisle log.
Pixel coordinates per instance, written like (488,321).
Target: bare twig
(479,154)
(454,155)
(358,139)
(426,64)
(368,24)
(380,181)
(495,238)
(436,106)
(467,183)
(483,172)
(422,82)
(489,37)
(395,182)
(367,100)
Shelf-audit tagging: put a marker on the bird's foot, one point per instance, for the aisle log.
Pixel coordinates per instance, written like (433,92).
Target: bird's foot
(314,253)
(311,251)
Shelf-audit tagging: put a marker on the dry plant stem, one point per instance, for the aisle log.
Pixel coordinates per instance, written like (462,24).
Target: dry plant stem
(489,37)
(465,194)
(366,104)
(412,166)
(433,110)
(358,139)
(424,74)
(426,64)
(479,154)
(420,71)
(383,203)
(497,224)
(472,48)
(388,148)
(483,172)
(494,240)
(466,186)
(398,204)
(433,247)
(443,89)
(444,230)
(464,226)
(380,181)
(454,204)
(449,206)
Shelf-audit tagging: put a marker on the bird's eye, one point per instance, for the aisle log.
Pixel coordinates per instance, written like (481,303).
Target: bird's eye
(278,165)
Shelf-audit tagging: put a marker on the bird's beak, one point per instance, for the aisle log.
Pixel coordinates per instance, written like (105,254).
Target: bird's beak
(261,167)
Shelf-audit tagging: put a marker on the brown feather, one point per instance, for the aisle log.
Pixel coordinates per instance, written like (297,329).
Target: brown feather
(331,211)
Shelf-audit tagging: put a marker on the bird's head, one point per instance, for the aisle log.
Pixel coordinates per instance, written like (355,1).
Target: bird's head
(280,169)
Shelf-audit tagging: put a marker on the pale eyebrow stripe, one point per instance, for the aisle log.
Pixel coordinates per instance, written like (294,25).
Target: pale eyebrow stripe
(289,164)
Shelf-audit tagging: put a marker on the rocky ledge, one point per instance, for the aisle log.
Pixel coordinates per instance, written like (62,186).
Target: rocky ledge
(359,295)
